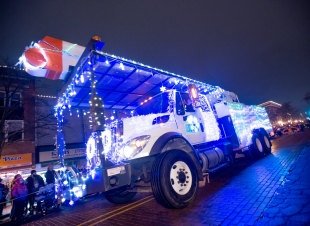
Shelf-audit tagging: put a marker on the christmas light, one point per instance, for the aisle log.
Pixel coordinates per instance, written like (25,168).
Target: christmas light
(114,139)
(246,118)
(122,66)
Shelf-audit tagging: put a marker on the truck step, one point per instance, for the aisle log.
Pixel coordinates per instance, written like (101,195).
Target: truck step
(217,168)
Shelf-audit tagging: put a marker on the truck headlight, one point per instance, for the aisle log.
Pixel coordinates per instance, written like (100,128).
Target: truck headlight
(135,146)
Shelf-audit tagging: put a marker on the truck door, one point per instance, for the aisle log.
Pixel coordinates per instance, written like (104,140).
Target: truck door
(187,120)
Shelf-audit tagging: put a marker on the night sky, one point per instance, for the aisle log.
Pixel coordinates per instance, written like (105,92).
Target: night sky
(258,49)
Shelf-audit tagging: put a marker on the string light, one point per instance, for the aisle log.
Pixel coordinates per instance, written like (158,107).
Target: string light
(122,66)
(162,89)
(246,118)
(212,131)
(113,138)
(53,97)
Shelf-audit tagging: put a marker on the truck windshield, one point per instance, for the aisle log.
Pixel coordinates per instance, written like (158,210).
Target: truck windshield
(156,105)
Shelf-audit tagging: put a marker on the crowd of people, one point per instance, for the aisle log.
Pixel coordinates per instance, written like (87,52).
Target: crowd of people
(23,192)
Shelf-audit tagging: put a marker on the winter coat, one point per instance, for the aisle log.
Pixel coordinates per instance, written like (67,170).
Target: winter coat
(3,192)
(50,176)
(19,191)
(31,180)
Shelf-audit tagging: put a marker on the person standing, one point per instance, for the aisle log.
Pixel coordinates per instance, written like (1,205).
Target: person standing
(19,195)
(34,182)
(15,177)
(50,175)
(3,193)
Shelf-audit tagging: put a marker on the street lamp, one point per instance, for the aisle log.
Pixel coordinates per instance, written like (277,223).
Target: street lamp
(290,116)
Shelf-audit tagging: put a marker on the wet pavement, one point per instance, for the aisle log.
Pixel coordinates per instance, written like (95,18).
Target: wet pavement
(291,203)
(274,190)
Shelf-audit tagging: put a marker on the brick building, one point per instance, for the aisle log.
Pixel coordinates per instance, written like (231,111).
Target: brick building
(17,115)
(30,127)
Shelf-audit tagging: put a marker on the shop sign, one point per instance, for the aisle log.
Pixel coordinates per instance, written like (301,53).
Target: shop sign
(46,156)
(11,161)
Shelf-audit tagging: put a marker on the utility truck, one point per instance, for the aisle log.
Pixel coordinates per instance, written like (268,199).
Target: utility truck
(154,130)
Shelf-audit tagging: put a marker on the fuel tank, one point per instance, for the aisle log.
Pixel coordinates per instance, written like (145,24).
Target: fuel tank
(211,158)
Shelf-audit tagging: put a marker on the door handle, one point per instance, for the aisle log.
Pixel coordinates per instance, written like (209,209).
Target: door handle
(201,127)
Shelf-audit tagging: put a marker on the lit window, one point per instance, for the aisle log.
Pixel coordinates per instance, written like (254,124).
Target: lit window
(15,100)
(14,130)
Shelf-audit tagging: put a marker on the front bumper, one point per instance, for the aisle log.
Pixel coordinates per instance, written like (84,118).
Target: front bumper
(109,178)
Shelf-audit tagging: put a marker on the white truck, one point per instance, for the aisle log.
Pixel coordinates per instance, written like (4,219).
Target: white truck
(177,139)
(158,131)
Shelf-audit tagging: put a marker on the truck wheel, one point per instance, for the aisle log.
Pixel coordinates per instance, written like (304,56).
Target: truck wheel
(174,179)
(119,198)
(265,141)
(257,148)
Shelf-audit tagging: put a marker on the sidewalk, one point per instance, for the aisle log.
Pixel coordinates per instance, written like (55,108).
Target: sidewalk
(291,204)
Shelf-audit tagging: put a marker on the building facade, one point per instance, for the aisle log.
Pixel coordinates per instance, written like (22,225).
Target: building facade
(27,112)
(272,109)
(17,118)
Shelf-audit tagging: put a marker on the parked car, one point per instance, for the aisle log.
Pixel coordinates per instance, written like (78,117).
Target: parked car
(278,132)
(290,130)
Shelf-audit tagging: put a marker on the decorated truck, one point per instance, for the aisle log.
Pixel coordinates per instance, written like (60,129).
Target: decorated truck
(151,130)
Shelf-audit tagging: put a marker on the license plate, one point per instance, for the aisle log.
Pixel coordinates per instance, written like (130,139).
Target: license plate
(116,170)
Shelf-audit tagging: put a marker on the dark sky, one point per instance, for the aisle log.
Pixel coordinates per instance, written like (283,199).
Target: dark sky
(258,49)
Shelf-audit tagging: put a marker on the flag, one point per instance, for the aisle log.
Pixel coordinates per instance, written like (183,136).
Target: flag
(51,58)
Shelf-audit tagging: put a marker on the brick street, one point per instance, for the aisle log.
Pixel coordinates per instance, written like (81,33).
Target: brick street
(247,194)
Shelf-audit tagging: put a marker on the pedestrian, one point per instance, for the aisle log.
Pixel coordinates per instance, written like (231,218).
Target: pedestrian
(15,177)
(3,193)
(34,182)
(50,175)
(19,195)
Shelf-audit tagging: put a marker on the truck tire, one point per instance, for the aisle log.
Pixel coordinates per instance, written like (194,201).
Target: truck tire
(174,179)
(257,148)
(121,197)
(265,140)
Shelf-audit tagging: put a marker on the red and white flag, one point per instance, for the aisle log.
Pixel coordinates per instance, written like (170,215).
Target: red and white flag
(51,58)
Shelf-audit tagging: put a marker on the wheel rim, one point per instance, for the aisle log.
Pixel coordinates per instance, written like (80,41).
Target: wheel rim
(181,177)
(259,145)
(267,142)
